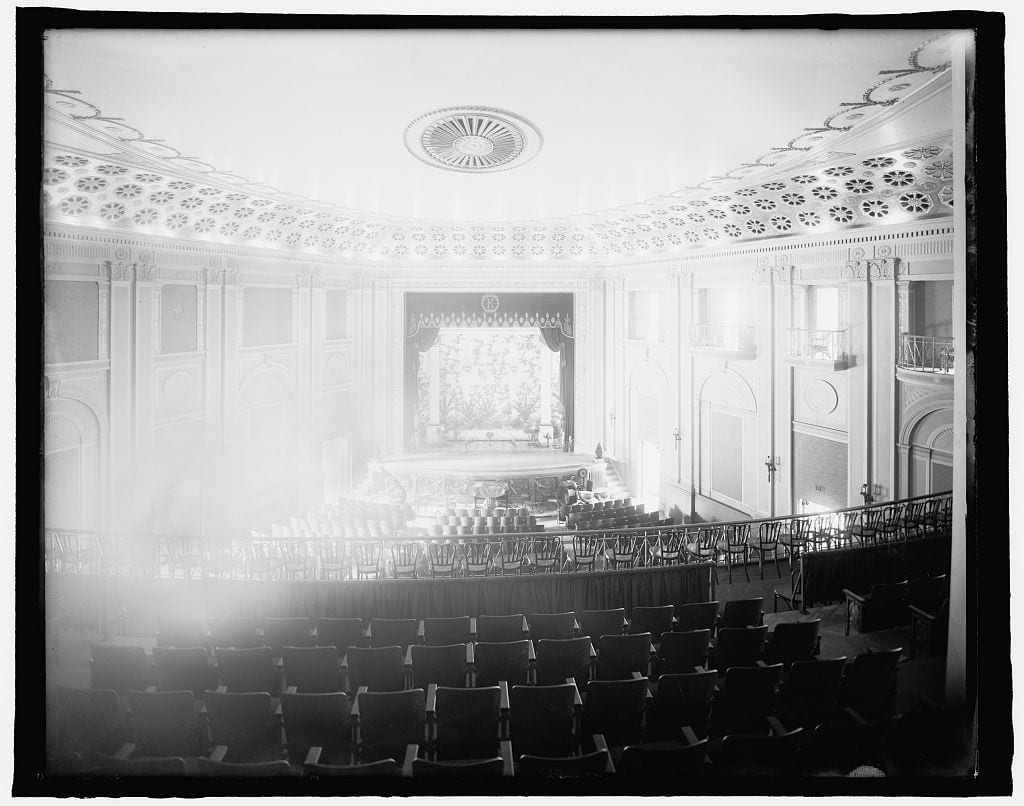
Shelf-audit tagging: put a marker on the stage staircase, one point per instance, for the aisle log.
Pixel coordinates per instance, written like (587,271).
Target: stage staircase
(613,482)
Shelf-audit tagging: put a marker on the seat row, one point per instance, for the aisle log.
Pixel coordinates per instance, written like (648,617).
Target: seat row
(246,632)
(595,729)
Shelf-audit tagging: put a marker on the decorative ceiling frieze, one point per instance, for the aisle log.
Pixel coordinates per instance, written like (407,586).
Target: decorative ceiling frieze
(134,184)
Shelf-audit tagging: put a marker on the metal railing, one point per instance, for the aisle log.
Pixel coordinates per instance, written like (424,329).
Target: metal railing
(725,338)
(324,557)
(821,345)
(926,353)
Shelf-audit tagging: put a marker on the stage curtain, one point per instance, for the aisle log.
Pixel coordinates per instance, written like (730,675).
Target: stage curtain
(557,341)
(142,600)
(419,342)
(826,573)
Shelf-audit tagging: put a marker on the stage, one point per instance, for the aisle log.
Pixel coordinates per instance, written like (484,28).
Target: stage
(532,476)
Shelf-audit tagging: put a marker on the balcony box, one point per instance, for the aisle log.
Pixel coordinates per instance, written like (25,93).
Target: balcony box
(723,341)
(925,360)
(827,350)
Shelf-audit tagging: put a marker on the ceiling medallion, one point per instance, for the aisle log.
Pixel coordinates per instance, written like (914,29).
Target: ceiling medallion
(473,139)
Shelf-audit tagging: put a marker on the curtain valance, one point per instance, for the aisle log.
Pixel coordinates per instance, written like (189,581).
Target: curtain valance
(544,311)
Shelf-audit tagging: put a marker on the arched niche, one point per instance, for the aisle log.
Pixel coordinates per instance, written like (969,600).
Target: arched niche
(727,438)
(926,449)
(72,464)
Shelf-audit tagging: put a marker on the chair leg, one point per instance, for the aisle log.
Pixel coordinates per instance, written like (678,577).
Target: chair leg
(775,556)
(746,557)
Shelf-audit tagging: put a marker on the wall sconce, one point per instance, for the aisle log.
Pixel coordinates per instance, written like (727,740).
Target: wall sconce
(677,435)
(611,416)
(772,463)
(866,493)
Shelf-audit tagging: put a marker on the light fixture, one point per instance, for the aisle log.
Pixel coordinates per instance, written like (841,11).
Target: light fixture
(772,463)
(866,493)
(677,436)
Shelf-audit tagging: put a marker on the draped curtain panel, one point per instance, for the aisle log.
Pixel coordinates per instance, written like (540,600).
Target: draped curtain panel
(426,314)
(826,573)
(141,600)
(557,341)
(421,341)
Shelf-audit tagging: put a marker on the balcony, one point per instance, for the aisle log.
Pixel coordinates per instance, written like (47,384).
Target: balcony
(821,349)
(925,359)
(723,341)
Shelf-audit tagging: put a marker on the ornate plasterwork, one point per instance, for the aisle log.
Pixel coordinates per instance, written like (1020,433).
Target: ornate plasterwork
(473,139)
(149,187)
(873,269)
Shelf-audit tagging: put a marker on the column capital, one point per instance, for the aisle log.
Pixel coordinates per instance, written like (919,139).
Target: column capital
(870,268)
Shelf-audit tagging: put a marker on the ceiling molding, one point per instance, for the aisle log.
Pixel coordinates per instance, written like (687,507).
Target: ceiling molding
(134,184)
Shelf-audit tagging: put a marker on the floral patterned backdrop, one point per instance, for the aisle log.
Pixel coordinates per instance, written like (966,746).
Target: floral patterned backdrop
(490,379)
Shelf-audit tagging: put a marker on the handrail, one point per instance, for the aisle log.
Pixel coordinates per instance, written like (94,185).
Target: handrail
(94,541)
(833,345)
(926,353)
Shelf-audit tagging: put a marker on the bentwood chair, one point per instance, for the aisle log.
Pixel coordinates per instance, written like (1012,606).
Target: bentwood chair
(767,544)
(913,519)
(369,560)
(546,555)
(299,560)
(704,547)
(622,551)
(668,548)
(333,561)
(866,532)
(405,558)
(511,555)
(890,527)
(477,557)
(443,559)
(737,547)
(586,547)
(791,537)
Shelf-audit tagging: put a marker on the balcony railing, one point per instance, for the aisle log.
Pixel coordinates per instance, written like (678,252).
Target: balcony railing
(818,345)
(722,338)
(926,353)
(321,557)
